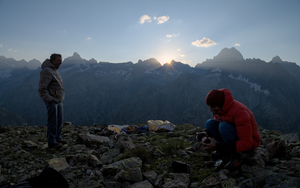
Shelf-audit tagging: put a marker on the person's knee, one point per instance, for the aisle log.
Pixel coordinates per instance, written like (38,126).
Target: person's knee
(226,128)
(227,131)
(209,123)
(223,127)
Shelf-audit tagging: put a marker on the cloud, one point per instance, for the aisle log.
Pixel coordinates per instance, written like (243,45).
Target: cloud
(236,44)
(205,42)
(11,50)
(173,35)
(145,18)
(1,45)
(182,55)
(162,19)
(89,38)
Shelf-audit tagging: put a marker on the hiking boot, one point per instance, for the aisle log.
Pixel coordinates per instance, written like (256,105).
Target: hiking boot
(55,145)
(234,164)
(62,142)
(216,155)
(221,159)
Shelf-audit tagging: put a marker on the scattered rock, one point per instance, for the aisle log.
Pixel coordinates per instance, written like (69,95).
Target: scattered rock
(97,157)
(290,138)
(211,181)
(150,176)
(143,184)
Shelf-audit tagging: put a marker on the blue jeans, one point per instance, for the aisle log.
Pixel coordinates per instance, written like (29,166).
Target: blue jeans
(54,122)
(224,132)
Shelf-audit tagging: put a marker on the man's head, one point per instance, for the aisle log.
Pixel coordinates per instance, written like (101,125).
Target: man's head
(56,59)
(215,100)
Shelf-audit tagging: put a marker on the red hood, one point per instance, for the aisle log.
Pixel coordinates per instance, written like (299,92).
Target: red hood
(228,102)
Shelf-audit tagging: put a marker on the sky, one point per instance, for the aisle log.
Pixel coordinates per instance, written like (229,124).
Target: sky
(116,31)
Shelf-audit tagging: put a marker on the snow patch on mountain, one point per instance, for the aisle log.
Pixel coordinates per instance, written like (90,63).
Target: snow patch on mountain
(98,65)
(214,75)
(83,67)
(12,65)
(6,73)
(120,72)
(153,72)
(79,67)
(171,73)
(127,77)
(256,87)
(216,70)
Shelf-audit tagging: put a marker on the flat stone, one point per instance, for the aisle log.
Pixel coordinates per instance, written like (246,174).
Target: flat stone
(58,164)
(89,139)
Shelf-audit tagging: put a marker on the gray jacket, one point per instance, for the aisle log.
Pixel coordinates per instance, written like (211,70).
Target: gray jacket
(51,87)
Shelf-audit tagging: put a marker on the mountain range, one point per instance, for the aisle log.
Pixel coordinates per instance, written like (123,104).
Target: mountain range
(123,93)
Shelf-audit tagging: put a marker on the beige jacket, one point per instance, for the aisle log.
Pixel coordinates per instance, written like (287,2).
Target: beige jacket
(51,87)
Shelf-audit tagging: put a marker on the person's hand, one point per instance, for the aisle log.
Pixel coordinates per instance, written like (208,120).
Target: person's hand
(209,146)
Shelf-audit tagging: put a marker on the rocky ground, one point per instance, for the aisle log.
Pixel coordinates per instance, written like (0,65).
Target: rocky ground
(98,157)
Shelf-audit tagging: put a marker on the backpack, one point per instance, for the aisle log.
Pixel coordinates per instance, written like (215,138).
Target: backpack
(48,178)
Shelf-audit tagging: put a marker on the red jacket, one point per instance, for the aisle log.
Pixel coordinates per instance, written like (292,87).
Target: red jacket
(243,119)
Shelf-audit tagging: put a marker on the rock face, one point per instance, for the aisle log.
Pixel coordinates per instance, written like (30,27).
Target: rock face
(94,157)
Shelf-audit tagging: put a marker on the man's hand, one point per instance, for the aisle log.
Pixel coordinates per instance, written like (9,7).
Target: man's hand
(210,146)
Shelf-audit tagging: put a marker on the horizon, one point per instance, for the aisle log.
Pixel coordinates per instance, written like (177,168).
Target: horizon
(115,32)
(150,58)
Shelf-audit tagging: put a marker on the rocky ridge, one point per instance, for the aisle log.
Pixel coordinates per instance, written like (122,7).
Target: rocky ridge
(98,157)
(122,93)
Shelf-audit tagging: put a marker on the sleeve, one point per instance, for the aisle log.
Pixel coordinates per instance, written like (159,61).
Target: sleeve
(45,79)
(243,130)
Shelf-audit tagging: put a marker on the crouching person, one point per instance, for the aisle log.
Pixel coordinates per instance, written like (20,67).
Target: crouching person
(233,129)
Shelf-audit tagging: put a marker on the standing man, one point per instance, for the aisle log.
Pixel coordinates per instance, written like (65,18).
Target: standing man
(233,128)
(51,90)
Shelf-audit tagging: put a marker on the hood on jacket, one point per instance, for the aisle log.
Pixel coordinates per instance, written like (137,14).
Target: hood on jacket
(227,102)
(47,63)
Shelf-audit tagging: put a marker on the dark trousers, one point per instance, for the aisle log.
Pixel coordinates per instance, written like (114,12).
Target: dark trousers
(54,122)
(224,132)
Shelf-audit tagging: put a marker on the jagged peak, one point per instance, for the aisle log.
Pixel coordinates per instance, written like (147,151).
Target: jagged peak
(93,60)
(173,62)
(231,53)
(150,61)
(33,60)
(276,59)
(76,56)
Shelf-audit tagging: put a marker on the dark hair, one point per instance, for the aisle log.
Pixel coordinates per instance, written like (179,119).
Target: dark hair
(53,56)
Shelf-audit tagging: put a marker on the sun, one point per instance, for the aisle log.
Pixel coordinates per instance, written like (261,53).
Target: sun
(166,58)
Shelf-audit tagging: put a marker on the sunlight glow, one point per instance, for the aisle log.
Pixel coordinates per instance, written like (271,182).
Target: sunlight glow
(167,58)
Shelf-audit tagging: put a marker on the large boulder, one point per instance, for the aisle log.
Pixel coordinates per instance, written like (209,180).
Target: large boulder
(89,139)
